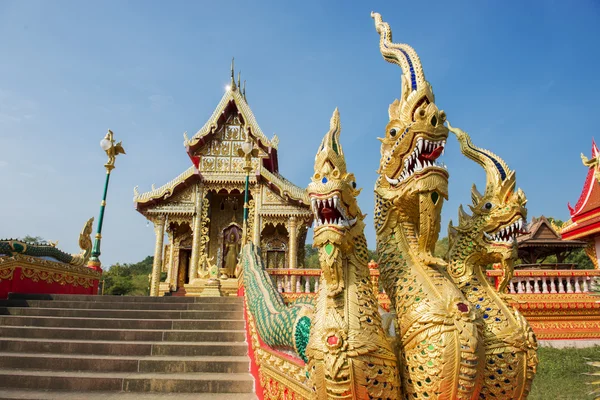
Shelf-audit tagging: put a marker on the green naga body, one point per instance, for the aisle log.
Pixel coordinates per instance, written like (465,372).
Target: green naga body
(279,325)
(11,247)
(349,354)
(439,333)
(479,240)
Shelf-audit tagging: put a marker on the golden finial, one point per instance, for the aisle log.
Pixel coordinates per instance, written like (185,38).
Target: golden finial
(244,91)
(232,73)
(239,76)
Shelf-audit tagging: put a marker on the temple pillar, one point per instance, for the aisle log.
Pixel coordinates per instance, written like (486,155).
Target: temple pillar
(159,230)
(292,248)
(196,236)
(171,270)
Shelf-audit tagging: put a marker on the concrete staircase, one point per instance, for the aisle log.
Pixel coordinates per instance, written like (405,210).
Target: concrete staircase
(110,347)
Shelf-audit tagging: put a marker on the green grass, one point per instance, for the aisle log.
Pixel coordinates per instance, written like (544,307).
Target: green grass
(560,374)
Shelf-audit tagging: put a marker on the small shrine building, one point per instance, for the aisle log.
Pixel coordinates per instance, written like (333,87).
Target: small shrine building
(542,240)
(201,210)
(585,216)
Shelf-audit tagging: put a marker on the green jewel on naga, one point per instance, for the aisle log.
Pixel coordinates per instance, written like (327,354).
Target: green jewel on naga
(481,239)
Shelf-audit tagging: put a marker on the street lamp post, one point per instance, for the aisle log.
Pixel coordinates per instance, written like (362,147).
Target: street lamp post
(247,152)
(112,150)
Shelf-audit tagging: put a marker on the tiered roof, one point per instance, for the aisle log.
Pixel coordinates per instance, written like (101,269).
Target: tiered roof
(233,101)
(585,216)
(542,240)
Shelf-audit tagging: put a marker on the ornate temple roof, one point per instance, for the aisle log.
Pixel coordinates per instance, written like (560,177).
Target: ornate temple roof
(585,216)
(233,102)
(276,181)
(542,233)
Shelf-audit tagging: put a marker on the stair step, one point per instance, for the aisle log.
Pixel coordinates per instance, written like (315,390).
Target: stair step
(139,348)
(60,395)
(103,363)
(139,314)
(121,323)
(127,335)
(128,382)
(131,347)
(112,305)
(121,299)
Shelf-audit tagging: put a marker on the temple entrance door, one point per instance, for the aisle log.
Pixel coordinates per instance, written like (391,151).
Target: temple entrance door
(232,240)
(183,274)
(276,259)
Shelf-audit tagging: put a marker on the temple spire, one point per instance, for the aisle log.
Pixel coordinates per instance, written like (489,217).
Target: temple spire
(239,77)
(233,87)
(244,91)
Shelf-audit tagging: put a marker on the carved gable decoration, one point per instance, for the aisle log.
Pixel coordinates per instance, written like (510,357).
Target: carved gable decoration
(221,153)
(269,197)
(185,196)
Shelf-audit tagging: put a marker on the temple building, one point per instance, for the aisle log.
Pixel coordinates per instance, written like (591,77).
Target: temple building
(201,210)
(585,216)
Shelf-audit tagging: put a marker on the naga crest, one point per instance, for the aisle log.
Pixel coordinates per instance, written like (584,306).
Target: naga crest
(85,244)
(333,192)
(498,215)
(415,135)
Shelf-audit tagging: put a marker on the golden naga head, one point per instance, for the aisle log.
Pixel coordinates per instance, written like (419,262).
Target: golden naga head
(498,215)
(333,193)
(415,136)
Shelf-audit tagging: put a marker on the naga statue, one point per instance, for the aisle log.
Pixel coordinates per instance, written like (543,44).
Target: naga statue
(486,237)
(457,337)
(439,331)
(281,326)
(349,354)
(11,247)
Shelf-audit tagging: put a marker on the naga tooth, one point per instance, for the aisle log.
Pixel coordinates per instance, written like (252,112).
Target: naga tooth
(353,220)
(336,202)
(418,165)
(391,181)
(420,145)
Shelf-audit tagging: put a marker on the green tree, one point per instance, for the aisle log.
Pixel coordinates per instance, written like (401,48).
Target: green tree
(441,248)
(129,279)
(311,257)
(37,240)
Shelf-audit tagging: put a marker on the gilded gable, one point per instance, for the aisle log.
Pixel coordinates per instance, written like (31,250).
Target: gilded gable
(221,153)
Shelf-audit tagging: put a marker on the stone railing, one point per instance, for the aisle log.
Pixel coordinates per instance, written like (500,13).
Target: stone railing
(307,280)
(547,281)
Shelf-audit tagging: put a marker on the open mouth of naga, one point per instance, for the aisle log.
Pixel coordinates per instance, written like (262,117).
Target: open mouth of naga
(507,233)
(330,212)
(424,155)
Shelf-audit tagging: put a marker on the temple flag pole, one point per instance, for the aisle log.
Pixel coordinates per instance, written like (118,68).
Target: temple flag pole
(112,149)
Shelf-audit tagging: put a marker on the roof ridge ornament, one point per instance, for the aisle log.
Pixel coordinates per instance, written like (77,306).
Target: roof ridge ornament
(232,84)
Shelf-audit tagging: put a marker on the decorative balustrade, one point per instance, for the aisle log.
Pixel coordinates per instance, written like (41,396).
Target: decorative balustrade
(547,281)
(307,280)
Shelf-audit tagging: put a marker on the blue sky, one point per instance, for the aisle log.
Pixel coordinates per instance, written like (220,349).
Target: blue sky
(520,77)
